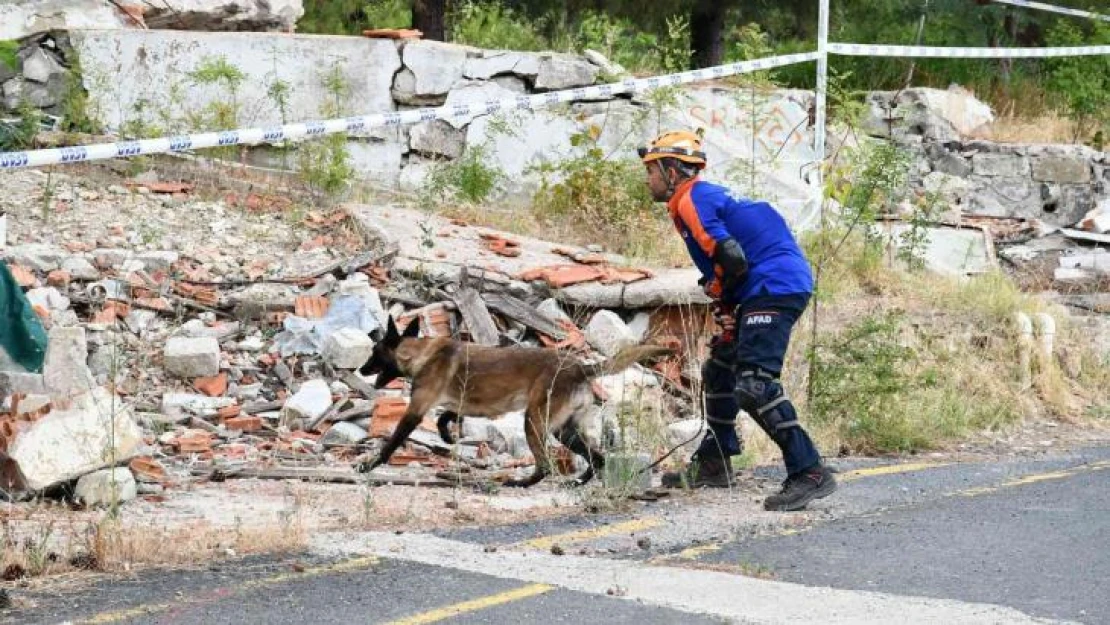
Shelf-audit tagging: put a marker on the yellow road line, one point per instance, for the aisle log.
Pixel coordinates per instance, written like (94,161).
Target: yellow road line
(848,476)
(474,605)
(356,564)
(1033,479)
(691,553)
(546,542)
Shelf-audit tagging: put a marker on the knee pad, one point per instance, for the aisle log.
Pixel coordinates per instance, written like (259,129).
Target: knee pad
(762,398)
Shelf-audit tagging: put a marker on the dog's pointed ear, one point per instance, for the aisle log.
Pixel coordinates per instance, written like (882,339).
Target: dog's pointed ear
(392,337)
(412,330)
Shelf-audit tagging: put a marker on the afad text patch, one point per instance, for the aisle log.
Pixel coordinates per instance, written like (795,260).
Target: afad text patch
(759,318)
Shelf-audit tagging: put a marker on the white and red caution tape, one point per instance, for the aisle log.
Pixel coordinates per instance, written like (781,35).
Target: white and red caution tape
(254,136)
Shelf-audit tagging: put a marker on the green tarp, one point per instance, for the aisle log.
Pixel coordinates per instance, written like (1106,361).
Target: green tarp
(21,334)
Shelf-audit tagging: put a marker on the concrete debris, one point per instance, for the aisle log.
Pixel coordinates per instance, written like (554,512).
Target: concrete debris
(97,429)
(107,487)
(66,372)
(312,401)
(224,360)
(608,333)
(192,357)
(348,348)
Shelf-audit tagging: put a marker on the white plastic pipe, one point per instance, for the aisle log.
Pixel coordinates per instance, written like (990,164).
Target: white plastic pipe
(1046,330)
(1025,348)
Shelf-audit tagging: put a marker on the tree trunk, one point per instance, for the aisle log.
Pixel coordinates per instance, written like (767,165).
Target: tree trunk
(707,23)
(428,16)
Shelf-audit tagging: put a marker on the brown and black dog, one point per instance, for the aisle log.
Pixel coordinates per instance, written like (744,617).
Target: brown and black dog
(551,386)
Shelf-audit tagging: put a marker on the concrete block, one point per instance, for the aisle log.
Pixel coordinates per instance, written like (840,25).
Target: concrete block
(1062,169)
(550,308)
(181,404)
(343,433)
(12,382)
(1007,165)
(607,333)
(192,357)
(96,431)
(106,487)
(311,401)
(80,269)
(348,348)
(66,372)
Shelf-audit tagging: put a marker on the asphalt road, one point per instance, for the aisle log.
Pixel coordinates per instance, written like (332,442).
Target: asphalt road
(998,542)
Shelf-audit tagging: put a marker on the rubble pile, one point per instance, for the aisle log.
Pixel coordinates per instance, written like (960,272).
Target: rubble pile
(206,360)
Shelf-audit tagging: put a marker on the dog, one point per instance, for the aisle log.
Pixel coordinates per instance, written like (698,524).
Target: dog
(550,385)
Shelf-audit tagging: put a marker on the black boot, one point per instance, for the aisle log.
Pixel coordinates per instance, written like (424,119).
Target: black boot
(801,489)
(712,470)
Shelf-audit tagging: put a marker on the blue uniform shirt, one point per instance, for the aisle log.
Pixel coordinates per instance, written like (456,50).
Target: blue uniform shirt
(705,213)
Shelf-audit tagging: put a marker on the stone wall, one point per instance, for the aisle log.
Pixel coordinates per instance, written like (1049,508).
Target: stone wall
(1056,184)
(145,79)
(23,18)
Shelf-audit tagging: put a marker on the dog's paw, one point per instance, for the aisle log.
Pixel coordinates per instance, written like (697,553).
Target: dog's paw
(366,466)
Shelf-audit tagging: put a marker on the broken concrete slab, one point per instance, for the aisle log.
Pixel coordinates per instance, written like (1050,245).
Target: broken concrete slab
(107,487)
(437,139)
(12,382)
(79,268)
(564,71)
(608,333)
(1061,169)
(192,357)
(183,404)
(312,400)
(348,348)
(343,433)
(459,246)
(951,251)
(96,431)
(494,63)
(434,68)
(66,372)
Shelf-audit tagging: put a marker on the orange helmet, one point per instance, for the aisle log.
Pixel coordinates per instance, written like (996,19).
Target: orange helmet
(681,145)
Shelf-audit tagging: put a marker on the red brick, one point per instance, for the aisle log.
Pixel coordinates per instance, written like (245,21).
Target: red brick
(311,307)
(212,386)
(148,468)
(59,278)
(227,412)
(23,276)
(249,423)
(387,413)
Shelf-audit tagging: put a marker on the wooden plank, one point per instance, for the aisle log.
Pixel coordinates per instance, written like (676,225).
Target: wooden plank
(1082,235)
(256,407)
(358,384)
(476,316)
(314,474)
(522,312)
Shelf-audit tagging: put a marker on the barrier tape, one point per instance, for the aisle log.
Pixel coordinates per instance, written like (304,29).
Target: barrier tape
(357,124)
(857,49)
(1040,6)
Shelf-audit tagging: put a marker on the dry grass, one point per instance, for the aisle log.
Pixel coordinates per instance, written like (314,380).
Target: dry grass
(652,241)
(45,540)
(1047,127)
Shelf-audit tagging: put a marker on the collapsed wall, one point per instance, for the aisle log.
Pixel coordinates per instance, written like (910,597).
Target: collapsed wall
(172,82)
(1056,184)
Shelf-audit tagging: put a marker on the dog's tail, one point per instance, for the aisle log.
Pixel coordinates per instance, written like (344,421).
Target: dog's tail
(625,358)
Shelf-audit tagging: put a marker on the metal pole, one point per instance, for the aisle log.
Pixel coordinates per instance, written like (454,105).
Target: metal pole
(822,86)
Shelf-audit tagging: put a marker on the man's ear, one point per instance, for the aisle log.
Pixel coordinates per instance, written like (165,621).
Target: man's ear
(412,330)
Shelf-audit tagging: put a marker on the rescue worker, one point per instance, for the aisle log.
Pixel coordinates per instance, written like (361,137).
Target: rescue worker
(758,275)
